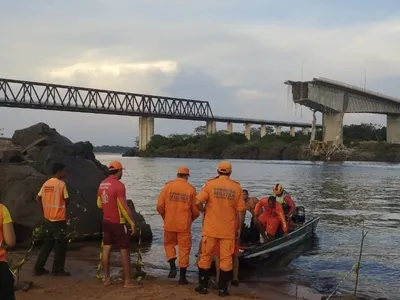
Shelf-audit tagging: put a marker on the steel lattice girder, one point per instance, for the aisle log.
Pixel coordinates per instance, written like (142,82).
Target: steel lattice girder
(36,95)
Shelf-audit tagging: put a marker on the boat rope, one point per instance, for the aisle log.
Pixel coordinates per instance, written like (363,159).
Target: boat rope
(139,265)
(140,268)
(353,268)
(39,234)
(99,264)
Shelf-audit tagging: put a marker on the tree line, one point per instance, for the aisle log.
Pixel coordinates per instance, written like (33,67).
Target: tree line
(111,149)
(351,133)
(200,141)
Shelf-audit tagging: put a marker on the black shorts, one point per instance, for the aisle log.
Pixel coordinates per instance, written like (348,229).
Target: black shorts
(6,282)
(115,234)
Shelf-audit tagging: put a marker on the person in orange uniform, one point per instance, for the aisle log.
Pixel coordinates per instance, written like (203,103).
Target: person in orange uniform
(271,218)
(177,206)
(284,199)
(7,240)
(53,200)
(235,258)
(111,198)
(224,203)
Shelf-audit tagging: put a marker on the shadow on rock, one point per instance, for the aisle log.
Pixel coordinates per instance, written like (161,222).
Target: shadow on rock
(26,162)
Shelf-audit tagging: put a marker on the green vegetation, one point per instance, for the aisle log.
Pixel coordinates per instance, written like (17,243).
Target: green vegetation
(364,132)
(222,145)
(366,139)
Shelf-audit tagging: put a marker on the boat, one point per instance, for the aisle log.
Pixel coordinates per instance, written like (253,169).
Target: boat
(281,245)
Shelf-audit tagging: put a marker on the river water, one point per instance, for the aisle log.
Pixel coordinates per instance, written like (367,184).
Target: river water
(347,196)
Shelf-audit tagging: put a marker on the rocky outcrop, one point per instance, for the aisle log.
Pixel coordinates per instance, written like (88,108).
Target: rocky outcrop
(25,164)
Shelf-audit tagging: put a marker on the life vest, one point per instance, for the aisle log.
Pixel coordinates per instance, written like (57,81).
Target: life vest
(281,200)
(3,252)
(53,201)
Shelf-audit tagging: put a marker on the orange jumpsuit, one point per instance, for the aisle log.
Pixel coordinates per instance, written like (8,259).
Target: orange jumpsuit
(177,206)
(271,218)
(237,243)
(223,198)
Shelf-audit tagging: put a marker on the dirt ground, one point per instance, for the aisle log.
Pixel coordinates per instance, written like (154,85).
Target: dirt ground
(83,285)
(70,288)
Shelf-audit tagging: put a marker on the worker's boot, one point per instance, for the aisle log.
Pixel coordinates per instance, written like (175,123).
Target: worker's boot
(182,276)
(172,268)
(224,278)
(203,282)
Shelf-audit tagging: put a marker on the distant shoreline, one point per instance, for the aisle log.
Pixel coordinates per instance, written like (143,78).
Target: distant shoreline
(107,153)
(363,152)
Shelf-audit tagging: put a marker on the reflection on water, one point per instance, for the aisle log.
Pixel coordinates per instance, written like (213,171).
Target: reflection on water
(347,196)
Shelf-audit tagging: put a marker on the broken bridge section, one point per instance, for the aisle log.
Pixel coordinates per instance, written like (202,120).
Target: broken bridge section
(333,99)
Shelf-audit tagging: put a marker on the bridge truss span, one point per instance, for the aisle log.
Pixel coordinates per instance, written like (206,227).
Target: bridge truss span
(36,95)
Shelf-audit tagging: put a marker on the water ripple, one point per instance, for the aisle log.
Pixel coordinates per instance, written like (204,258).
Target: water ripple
(346,195)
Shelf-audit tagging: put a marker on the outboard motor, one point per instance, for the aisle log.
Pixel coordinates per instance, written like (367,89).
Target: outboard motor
(300,215)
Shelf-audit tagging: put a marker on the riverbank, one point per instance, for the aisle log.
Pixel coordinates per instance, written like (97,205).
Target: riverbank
(271,147)
(82,285)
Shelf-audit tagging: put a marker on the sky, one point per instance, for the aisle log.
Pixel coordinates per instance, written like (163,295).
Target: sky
(235,54)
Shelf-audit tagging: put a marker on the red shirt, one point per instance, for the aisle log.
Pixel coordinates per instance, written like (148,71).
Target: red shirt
(111,198)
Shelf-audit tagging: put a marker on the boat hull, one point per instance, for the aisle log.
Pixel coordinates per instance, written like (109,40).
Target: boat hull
(281,245)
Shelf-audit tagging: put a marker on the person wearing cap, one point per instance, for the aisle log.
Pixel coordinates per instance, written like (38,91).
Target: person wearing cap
(177,206)
(223,220)
(7,241)
(53,201)
(235,260)
(250,204)
(111,198)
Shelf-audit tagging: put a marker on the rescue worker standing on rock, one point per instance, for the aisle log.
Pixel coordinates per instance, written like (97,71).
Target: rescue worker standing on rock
(111,198)
(285,200)
(53,201)
(7,240)
(177,206)
(224,203)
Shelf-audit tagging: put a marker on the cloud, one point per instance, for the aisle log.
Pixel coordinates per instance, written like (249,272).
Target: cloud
(110,69)
(233,54)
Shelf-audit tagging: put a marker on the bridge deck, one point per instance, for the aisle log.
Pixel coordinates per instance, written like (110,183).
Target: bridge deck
(263,122)
(326,95)
(56,97)
(355,90)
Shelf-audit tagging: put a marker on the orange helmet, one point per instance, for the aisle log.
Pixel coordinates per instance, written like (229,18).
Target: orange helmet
(277,189)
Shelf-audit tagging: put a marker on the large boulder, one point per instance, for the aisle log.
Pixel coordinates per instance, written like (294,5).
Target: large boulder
(26,162)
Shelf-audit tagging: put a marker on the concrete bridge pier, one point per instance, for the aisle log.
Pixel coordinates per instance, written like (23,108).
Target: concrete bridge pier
(292,132)
(278,130)
(247,131)
(305,131)
(263,130)
(393,129)
(146,131)
(332,128)
(211,127)
(229,127)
